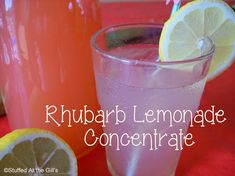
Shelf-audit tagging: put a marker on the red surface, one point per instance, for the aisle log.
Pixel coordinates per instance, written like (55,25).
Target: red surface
(214,151)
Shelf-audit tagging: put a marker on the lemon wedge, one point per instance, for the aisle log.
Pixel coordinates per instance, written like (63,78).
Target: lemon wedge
(189,30)
(35,152)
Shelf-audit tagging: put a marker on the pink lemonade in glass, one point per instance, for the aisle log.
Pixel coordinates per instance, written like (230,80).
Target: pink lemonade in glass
(128,73)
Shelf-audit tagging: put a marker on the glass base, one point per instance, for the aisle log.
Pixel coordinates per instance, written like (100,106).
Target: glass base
(111,168)
(113,173)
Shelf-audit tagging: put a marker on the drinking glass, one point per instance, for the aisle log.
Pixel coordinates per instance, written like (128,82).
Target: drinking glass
(129,75)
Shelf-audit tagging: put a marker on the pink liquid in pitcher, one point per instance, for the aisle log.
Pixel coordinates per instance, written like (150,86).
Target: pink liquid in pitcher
(46,60)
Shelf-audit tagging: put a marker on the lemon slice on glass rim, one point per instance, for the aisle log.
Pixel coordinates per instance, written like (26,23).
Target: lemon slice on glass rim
(35,152)
(185,33)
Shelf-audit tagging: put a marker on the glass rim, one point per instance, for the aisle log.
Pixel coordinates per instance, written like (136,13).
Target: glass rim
(141,62)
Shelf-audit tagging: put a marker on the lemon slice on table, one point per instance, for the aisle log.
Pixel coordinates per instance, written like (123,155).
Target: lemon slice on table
(35,152)
(186,33)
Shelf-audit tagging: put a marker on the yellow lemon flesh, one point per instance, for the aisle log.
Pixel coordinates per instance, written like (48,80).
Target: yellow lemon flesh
(189,30)
(35,152)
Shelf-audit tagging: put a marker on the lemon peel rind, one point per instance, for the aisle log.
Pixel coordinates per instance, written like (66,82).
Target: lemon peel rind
(220,69)
(10,140)
(177,17)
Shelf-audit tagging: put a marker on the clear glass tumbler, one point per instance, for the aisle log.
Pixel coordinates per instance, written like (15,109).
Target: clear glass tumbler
(130,76)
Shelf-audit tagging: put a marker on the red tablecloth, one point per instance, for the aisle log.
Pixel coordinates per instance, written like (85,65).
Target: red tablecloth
(214,151)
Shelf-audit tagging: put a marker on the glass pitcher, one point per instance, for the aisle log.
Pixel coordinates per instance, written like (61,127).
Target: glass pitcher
(45,60)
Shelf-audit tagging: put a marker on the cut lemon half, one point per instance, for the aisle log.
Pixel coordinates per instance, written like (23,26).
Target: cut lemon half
(186,34)
(35,152)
